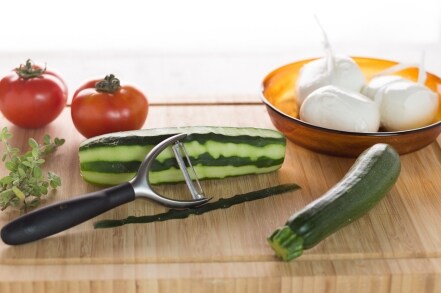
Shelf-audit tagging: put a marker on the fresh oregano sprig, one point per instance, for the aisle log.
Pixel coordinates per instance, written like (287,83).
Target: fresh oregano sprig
(26,183)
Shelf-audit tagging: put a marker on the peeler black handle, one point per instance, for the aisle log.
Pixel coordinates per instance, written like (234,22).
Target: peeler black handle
(63,215)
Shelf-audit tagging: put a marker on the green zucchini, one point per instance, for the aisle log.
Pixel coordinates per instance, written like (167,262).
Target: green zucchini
(215,152)
(366,183)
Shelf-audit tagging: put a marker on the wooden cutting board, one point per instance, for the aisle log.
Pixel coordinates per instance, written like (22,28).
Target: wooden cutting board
(395,248)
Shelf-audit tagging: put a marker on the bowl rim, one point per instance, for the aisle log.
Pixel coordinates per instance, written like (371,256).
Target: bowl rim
(342,132)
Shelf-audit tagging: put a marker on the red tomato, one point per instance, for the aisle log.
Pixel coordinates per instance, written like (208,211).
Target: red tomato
(90,84)
(32,97)
(104,106)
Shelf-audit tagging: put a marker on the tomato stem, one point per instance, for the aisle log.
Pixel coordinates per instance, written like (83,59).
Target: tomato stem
(109,84)
(29,70)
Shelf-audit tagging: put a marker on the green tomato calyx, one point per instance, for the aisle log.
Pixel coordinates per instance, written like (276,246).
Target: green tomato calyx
(29,70)
(109,84)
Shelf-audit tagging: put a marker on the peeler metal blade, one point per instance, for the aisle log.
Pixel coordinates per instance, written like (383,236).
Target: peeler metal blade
(179,152)
(143,188)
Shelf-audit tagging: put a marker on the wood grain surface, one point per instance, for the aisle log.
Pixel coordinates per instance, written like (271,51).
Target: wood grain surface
(395,248)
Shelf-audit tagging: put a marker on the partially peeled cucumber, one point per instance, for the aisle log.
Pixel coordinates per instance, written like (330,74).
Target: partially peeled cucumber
(215,152)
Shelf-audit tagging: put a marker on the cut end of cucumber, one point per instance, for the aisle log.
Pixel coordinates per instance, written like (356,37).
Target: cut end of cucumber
(286,243)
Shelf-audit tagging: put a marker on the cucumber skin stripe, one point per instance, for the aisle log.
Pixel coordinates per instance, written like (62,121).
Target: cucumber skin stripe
(206,160)
(201,138)
(174,175)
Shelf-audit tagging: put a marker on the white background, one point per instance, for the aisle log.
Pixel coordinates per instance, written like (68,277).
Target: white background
(178,50)
(206,26)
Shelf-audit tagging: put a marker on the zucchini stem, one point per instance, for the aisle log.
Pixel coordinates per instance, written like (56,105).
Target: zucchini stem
(287,244)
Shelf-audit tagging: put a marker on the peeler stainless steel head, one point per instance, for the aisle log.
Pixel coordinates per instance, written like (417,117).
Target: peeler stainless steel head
(141,184)
(60,216)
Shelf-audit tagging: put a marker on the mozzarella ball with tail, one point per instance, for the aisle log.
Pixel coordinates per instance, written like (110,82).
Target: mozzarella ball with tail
(378,84)
(343,73)
(403,104)
(335,108)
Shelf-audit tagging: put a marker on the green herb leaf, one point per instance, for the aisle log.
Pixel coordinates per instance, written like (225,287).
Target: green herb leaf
(18,193)
(11,166)
(33,143)
(27,163)
(26,182)
(6,180)
(46,139)
(35,153)
(5,134)
(43,190)
(58,141)
(37,172)
(54,180)
(21,172)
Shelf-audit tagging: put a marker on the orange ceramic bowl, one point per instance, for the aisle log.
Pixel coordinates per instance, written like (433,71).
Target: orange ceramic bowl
(278,95)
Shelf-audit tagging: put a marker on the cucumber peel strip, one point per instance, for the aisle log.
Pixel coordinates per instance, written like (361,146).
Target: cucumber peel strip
(222,203)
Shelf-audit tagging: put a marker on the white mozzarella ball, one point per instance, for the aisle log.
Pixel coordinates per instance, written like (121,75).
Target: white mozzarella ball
(346,74)
(403,104)
(407,105)
(335,108)
(377,84)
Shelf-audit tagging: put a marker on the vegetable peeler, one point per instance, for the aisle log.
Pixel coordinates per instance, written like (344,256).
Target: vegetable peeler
(60,216)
